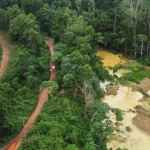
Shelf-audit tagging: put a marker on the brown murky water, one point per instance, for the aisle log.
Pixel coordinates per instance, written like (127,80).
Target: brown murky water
(125,99)
(109,59)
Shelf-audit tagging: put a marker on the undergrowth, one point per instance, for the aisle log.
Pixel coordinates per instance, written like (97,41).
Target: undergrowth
(137,73)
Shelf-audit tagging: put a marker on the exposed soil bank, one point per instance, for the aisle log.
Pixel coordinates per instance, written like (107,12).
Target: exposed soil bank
(143,123)
(145,84)
(112,89)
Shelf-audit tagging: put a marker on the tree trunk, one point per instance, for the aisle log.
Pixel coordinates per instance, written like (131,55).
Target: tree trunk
(94,3)
(134,41)
(149,28)
(137,6)
(148,50)
(85,110)
(75,89)
(115,20)
(148,21)
(93,117)
(85,98)
(142,48)
(131,7)
(134,26)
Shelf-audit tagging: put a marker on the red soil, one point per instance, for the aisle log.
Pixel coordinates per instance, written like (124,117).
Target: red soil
(43,97)
(63,91)
(5,58)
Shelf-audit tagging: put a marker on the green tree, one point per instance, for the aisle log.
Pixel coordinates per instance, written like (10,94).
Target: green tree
(24,28)
(31,6)
(59,22)
(142,38)
(97,135)
(45,16)
(78,34)
(71,147)
(51,86)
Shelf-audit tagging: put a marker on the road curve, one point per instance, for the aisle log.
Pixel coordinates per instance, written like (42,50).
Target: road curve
(6,55)
(43,97)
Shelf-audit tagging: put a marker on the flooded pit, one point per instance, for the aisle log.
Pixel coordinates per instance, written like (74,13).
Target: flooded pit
(125,100)
(109,59)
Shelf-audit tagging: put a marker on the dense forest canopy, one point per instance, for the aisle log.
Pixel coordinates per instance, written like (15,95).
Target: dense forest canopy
(79,27)
(123,24)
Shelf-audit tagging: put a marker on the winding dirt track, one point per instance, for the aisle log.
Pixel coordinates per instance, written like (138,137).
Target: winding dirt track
(6,55)
(43,97)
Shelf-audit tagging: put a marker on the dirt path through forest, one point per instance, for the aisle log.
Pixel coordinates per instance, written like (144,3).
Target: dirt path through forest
(43,97)
(5,58)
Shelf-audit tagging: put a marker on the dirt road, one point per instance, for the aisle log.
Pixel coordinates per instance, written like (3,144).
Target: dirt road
(43,97)
(6,55)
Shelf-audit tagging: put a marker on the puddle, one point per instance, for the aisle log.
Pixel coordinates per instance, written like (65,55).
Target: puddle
(109,59)
(125,99)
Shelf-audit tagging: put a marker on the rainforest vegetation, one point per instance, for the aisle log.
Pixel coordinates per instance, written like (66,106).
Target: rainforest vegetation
(73,121)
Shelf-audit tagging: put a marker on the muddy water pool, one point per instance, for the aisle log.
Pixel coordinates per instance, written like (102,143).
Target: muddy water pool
(125,100)
(109,59)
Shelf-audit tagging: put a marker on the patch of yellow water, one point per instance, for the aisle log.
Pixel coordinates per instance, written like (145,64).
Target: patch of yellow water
(125,99)
(109,59)
(121,72)
(134,140)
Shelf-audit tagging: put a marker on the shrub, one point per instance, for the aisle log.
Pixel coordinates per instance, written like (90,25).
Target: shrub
(119,116)
(136,76)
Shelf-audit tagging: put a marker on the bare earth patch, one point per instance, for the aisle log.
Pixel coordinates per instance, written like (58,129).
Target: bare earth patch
(142,122)
(145,84)
(5,57)
(112,89)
